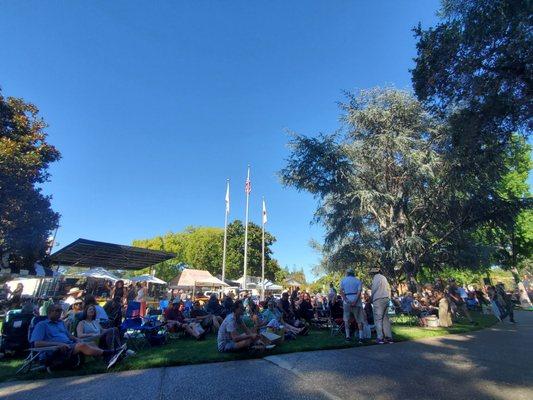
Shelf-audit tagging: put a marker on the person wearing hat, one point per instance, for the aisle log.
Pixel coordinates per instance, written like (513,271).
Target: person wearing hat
(350,291)
(381,294)
(72,295)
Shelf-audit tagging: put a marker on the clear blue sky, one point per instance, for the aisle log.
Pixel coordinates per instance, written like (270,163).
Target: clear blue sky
(154,104)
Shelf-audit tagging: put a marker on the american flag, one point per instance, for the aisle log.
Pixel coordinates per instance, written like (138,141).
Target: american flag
(247,186)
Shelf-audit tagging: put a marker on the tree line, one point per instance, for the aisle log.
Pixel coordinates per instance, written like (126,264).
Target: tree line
(202,248)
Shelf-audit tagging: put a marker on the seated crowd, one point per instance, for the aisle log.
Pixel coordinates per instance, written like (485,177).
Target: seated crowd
(78,325)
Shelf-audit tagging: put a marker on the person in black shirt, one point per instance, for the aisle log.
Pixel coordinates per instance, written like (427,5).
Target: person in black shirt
(213,306)
(305,309)
(118,293)
(205,319)
(367,308)
(286,308)
(227,303)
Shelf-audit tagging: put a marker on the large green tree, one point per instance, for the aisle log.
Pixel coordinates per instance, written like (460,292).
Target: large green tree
(26,216)
(512,238)
(235,256)
(474,72)
(378,181)
(202,247)
(479,59)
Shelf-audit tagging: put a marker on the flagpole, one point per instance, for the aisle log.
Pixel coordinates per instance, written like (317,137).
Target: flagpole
(246,228)
(263,252)
(225,232)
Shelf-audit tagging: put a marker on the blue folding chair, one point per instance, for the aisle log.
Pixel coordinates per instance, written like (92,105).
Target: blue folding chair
(137,330)
(32,361)
(163,305)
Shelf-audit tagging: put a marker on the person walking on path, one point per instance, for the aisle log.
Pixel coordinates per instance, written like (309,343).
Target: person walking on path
(381,294)
(350,291)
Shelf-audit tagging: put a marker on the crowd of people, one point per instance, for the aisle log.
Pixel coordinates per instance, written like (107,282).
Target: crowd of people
(78,324)
(449,301)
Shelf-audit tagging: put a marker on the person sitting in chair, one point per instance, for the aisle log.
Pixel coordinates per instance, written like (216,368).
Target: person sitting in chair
(53,332)
(89,329)
(175,320)
(305,308)
(101,315)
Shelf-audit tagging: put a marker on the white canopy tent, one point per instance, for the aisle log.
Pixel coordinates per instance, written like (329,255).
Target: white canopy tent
(292,282)
(98,273)
(269,285)
(255,283)
(192,278)
(148,279)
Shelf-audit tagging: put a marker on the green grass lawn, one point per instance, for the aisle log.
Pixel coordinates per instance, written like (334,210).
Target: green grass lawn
(184,351)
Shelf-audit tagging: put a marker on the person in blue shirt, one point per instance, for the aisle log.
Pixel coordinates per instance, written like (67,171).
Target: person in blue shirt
(53,332)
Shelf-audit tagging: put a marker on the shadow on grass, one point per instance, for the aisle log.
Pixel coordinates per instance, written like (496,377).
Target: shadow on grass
(186,351)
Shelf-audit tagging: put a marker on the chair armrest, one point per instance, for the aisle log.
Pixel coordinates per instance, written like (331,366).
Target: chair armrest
(40,349)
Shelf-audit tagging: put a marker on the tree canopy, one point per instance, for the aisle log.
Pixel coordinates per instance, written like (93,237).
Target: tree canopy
(473,72)
(512,238)
(202,247)
(26,216)
(377,180)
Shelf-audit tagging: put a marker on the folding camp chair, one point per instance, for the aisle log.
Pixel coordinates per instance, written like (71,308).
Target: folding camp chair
(138,331)
(336,326)
(321,319)
(32,361)
(163,305)
(15,331)
(133,310)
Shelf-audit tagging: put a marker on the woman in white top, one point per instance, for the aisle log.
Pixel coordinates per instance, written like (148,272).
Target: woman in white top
(90,329)
(141,297)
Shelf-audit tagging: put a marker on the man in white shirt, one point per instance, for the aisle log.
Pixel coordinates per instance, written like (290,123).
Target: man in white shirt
(381,294)
(350,291)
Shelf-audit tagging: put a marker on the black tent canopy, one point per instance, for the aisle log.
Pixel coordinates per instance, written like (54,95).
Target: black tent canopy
(89,253)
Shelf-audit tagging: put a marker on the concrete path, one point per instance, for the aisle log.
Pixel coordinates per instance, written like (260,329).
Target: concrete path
(495,363)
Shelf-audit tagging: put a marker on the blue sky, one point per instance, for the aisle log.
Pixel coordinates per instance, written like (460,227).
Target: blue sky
(154,104)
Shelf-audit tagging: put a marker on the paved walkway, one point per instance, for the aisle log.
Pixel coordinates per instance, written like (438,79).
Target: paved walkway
(494,363)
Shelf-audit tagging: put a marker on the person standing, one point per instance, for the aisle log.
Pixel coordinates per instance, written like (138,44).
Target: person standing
(332,295)
(141,298)
(350,291)
(380,298)
(119,293)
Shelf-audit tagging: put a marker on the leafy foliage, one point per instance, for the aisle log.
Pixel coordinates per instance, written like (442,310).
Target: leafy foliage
(378,182)
(202,248)
(26,217)
(473,71)
(513,240)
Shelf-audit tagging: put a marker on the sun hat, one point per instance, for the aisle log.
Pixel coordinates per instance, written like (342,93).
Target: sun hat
(74,290)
